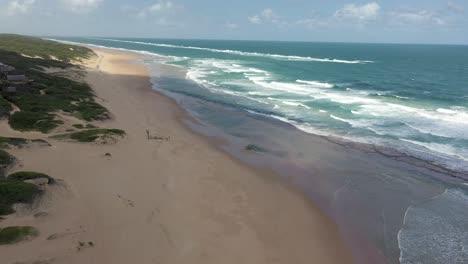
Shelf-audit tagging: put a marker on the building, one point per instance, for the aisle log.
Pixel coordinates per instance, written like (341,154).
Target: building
(6,68)
(17,78)
(10,89)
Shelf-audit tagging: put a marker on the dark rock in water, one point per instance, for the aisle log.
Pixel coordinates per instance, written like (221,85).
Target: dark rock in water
(255,148)
(108,155)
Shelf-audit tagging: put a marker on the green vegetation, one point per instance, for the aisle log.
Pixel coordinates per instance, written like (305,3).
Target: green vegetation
(5,108)
(5,159)
(255,148)
(42,141)
(43,48)
(15,234)
(29,175)
(12,191)
(38,121)
(81,126)
(92,135)
(47,93)
(5,142)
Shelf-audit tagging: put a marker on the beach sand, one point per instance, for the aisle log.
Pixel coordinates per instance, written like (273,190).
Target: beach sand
(175,201)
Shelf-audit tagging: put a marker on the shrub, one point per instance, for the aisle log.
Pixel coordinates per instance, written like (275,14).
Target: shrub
(33,121)
(12,192)
(15,234)
(29,175)
(5,159)
(91,135)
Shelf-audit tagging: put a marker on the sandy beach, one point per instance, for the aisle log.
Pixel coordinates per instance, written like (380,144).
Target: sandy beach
(175,201)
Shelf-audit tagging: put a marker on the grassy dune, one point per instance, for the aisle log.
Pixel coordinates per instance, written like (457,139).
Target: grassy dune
(47,93)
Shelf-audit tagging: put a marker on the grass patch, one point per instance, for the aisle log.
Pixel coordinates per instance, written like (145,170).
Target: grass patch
(41,141)
(46,49)
(6,209)
(91,135)
(5,142)
(33,121)
(5,108)
(15,234)
(5,159)
(29,175)
(78,126)
(12,192)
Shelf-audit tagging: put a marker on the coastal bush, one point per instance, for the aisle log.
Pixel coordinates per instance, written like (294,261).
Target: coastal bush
(12,192)
(5,108)
(78,126)
(29,175)
(15,234)
(5,159)
(90,111)
(33,121)
(5,209)
(5,142)
(46,93)
(91,135)
(41,141)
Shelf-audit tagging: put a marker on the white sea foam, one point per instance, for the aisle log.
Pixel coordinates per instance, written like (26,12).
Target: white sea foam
(317,84)
(435,230)
(243,53)
(441,148)
(295,104)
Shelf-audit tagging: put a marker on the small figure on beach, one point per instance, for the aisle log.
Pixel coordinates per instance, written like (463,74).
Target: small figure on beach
(157,138)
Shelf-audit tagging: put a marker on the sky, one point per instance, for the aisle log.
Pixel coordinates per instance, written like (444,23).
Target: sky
(384,21)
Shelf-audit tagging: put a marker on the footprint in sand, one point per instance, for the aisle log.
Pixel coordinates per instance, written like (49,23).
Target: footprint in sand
(127,202)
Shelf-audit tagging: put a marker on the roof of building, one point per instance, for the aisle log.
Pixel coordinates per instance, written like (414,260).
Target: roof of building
(19,77)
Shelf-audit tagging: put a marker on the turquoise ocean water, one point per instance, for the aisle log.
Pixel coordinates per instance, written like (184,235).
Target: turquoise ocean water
(410,98)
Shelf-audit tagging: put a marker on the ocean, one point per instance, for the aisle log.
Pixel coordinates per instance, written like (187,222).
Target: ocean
(406,102)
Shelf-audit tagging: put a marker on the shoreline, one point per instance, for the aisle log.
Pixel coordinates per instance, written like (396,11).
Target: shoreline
(181,201)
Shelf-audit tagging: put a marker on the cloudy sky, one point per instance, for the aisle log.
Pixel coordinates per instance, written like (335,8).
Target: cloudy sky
(401,21)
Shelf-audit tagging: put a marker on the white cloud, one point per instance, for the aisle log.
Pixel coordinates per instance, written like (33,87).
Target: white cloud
(452,6)
(81,6)
(267,16)
(19,7)
(231,25)
(312,23)
(161,7)
(362,13)
(255,19)
(420,17)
